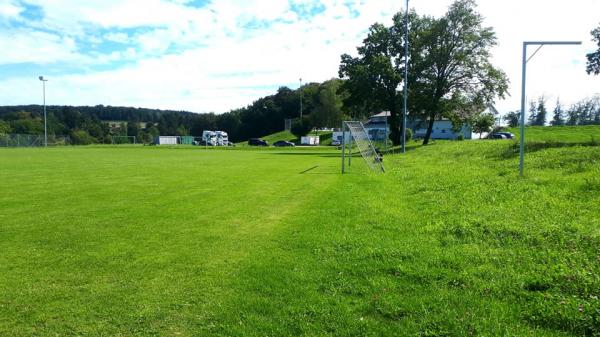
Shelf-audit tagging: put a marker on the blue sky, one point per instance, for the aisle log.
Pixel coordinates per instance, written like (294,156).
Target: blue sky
(219,55)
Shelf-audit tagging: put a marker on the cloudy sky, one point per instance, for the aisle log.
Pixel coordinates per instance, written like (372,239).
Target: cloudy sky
(213,56)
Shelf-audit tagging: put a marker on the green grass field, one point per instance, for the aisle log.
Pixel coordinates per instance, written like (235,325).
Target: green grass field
(151,241)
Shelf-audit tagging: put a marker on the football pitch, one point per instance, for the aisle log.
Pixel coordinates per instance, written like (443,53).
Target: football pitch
(150,241)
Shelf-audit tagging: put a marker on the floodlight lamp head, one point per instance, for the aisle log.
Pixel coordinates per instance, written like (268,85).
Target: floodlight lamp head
(41,78)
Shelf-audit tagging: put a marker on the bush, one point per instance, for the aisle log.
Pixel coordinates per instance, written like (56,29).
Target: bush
(81,137)
(409,134)
(301,127)
(460,137)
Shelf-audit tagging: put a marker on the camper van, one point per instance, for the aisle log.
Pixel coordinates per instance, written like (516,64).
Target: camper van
(209,138)
(222,138)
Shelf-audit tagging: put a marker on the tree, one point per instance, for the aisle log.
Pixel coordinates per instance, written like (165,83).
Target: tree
(328,109)
(4,128)
(483,123)
(559,116)
(301,127)
(452,76)
(532,113)
(573,115)
(512,118)
(593,59)
(373,77)
(540,117)
(133,128)
(81,137)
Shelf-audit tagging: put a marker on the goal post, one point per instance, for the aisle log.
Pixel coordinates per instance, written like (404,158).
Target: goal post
(354,134)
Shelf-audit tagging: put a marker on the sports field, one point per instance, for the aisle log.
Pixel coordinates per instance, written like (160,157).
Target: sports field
(149,241)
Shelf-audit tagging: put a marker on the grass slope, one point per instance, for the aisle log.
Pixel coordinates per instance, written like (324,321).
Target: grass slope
(449,242)
(583,133)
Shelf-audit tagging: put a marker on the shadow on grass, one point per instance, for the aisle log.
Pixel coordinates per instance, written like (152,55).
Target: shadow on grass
(513,149)
(318,154)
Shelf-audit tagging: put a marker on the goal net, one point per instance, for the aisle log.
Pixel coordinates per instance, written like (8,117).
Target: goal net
(354,135)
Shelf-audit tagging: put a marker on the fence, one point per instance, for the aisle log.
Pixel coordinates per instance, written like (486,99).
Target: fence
(19,140)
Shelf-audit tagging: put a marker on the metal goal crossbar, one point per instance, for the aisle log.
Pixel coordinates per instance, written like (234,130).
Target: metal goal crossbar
(354,132)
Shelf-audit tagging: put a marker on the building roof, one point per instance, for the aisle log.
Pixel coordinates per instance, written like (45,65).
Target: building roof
(382,114)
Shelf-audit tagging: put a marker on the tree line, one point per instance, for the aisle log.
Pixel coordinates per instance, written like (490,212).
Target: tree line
(584,112)
(321,104)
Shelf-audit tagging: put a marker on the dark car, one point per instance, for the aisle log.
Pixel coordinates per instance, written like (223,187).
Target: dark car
(498,136)
(283,143)
(508,135)
(257,142)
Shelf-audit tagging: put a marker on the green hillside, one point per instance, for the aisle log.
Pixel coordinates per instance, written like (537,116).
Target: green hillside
(583,133)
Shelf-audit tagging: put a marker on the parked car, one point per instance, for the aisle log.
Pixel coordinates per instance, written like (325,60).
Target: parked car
(508,135)
(498,136)
(336,143)
(257,142)
(283,143)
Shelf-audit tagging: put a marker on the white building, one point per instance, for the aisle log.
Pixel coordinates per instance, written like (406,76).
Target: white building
(377,128)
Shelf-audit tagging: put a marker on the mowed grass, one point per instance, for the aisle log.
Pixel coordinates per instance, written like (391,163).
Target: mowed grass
(570,134)
(450,241)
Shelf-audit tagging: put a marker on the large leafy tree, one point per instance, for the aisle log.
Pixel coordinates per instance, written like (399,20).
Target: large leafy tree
(328,106)
(372,78)
(451,72)
(593,64)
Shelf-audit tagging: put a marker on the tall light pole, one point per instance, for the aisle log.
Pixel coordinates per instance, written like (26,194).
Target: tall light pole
(404,112)
(523,82)
(300,98)
(45,119)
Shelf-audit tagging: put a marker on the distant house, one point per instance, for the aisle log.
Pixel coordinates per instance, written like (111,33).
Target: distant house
(377,128)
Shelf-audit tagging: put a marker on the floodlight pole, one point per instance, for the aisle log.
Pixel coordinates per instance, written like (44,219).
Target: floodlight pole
(404,112)
(45,122)
(523,81)
(343,147)
(301,98)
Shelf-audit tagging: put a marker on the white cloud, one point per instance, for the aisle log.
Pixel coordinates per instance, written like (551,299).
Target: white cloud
(37,47)
(9,9)
(215,64)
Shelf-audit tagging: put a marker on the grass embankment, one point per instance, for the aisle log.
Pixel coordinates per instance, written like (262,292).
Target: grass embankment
(150,241)
(567,134)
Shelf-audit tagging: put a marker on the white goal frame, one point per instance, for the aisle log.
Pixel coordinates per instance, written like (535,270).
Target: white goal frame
(360,137)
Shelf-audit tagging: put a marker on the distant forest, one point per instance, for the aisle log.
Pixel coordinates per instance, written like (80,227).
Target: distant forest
(322,105)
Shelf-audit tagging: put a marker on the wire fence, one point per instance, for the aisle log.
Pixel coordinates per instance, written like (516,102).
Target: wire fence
(20,140)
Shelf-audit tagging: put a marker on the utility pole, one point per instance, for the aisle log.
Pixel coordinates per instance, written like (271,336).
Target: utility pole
(45,119)
(523,81)
(404,111)
(300,98)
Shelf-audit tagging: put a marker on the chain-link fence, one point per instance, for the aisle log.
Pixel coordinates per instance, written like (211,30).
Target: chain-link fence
(19,140)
